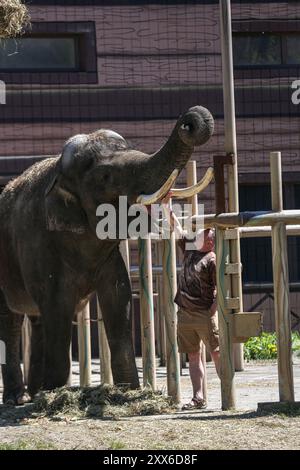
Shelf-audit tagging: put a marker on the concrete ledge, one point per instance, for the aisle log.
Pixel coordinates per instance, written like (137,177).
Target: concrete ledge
(285,407)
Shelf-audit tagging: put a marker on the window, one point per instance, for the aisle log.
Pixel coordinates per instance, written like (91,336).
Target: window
(51,52)
(40,53)
(266,49)
(256,253)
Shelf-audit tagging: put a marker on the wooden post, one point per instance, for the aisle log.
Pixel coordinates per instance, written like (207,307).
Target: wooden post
(170,312)
(191,179)
(281,287)
(224,315)
(69,382)
(26,347)
(147,312)
(104,351)
(231,149)
(84,346)
(160,307)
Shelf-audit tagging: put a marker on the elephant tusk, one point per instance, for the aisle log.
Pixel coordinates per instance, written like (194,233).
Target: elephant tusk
(148,199)
(196,188)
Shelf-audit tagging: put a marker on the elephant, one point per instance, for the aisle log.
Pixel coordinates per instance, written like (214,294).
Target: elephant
(52,262)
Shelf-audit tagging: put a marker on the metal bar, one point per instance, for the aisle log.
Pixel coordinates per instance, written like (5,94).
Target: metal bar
(255,232)
(250,218)
(257,288)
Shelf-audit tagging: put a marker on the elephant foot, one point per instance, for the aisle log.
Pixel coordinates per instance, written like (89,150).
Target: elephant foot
(17,400)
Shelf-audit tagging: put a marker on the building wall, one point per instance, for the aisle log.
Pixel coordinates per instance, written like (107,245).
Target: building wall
(153,62)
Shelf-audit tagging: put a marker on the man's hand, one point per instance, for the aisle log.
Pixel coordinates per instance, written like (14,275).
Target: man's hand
(166,198)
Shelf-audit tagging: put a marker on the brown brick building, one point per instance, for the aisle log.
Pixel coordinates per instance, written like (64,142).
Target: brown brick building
(134,66)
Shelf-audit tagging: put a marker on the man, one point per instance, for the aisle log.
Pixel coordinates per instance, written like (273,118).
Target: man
(196,298)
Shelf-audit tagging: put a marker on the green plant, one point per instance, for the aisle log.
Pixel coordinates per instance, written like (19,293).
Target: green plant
(116,445)
(265,346)
(296,343)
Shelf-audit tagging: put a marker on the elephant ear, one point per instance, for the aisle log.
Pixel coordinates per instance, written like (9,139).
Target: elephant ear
(63,209)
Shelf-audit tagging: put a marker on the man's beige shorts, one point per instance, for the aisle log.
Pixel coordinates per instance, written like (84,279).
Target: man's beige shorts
(189,335)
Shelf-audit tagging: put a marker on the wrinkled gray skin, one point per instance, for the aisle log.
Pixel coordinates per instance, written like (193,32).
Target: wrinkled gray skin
(51,261)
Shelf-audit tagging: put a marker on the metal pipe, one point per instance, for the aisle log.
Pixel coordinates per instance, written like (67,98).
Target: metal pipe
(257,232)
(250,218)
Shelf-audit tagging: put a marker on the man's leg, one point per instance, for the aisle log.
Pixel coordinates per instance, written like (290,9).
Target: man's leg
(216,358)
(196,368)
(196,374)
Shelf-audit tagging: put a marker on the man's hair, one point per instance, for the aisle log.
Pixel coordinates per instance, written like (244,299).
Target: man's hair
(207,232)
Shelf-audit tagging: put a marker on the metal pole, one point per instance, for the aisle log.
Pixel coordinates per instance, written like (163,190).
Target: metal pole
(147,312)
(281,287)
(231,149)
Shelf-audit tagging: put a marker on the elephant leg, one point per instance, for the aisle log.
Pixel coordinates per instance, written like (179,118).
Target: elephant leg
(57,315)
(10,334)
(114,293)
(37,357)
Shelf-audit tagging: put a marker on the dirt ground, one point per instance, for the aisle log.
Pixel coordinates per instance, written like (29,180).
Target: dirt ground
(212,428)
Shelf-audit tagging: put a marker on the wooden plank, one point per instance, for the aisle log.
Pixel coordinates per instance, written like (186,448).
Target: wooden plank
(246,325)
(232,268)
(272,10)
(160,69)
(143,29)
(256,137)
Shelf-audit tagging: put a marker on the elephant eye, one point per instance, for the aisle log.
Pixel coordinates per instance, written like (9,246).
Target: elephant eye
(186,127)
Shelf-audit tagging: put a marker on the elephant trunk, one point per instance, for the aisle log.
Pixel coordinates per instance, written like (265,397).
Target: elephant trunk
(193,128)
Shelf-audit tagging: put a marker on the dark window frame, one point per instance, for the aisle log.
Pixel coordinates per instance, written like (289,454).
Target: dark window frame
(85,34)
(290,181)
(267,26)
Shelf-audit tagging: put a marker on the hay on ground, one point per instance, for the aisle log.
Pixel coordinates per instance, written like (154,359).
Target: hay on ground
(104,401)
(13,18)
